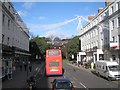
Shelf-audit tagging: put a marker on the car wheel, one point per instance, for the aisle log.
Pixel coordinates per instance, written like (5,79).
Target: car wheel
(109,79)
(63,71)
(98,74)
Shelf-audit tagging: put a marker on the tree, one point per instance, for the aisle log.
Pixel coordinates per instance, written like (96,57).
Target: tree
(73,47)
(34,50)
(56,39)
(42,44)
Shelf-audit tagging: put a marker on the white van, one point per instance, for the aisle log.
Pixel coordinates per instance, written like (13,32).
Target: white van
(108,69)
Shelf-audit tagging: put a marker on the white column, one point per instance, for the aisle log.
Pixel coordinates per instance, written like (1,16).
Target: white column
(77,58)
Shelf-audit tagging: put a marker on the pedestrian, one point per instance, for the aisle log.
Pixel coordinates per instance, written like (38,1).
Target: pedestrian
(14,67)
(20,64)
(28,62)
(30,67)
(25,66)
(92,65)
(79,63)
(20,67)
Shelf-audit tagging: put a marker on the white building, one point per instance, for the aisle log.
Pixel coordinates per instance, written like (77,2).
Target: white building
(114,30)
(14,37)
(100,38)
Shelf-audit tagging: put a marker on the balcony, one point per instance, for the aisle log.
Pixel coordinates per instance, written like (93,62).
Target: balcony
(114,45)
(95,48)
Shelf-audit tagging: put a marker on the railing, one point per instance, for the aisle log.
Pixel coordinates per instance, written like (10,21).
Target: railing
(95,48)
(113,41)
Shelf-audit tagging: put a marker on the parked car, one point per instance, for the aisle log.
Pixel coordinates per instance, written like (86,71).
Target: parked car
(74,62)
(108,69)
(63,84)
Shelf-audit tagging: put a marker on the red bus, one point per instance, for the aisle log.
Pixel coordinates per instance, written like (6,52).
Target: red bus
(53,62)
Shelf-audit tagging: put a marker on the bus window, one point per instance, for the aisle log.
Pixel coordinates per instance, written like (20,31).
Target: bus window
(53,64)
(53,53)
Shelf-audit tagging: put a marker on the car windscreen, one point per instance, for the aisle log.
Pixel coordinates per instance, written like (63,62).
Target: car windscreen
(63,85)
(114,68)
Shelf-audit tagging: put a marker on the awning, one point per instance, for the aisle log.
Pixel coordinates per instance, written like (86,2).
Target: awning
(23,53)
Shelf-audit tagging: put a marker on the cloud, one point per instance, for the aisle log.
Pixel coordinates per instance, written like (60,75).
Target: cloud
(49,26)
(58,33)
(41,17)
(55,32)
(27,5)
(51,29)
(22,13)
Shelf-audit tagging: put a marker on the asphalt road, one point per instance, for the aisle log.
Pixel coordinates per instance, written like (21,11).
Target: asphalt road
(81,79)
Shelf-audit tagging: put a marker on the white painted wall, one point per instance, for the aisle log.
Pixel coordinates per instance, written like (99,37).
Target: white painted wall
(0,24)
(102,34)
(17,36)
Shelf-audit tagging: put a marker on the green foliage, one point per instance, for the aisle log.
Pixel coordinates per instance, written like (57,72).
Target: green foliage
(73,47)
(42,43)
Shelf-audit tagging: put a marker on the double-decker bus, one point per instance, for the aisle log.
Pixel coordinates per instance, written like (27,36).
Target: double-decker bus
(53,62)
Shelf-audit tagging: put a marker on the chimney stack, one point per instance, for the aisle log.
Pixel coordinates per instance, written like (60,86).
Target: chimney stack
(107,2)
(90,17)
(100,9)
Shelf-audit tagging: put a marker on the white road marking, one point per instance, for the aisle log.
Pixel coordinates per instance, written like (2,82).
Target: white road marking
(84,86)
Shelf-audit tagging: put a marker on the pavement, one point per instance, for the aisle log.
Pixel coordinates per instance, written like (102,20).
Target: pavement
(89,70)
(81,67)
(19,77)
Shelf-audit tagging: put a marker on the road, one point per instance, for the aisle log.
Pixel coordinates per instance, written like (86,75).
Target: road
(85,79)
(81,79)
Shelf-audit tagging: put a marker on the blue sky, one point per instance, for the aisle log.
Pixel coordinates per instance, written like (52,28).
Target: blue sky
(55,18)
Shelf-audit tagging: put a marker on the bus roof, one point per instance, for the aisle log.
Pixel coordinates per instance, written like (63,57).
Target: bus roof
(53,49)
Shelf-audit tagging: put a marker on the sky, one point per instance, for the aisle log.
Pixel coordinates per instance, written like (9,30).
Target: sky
(55,18)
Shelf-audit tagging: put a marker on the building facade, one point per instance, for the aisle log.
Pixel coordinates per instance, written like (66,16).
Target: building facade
(114,31)
(14,35)
(100,38)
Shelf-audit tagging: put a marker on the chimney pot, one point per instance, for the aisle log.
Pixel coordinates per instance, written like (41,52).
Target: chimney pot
(100,9)
(107,2)
(90,17)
